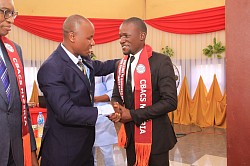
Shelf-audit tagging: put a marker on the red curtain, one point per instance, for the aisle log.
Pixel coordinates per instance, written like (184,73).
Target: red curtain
(107,30)
(47,27)
(196,22)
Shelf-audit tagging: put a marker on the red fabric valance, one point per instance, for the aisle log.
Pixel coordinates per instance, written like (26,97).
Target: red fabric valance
(47,27)
(196,22)
(107,30)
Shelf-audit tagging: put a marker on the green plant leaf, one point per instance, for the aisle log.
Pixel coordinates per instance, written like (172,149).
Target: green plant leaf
(219,56)
(216,49)
(167,51)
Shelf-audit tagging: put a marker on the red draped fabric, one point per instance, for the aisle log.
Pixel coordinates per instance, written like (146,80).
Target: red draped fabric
(196,22)
(107,30)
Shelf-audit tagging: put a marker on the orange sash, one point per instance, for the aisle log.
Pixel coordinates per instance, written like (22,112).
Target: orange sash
(143,98)
(19,72)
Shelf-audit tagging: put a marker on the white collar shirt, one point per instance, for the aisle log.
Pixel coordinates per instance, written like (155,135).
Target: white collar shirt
(75,59)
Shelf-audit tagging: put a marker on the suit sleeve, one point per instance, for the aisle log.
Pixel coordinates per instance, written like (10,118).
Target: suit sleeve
(67,99)
(164,94)
(104,68)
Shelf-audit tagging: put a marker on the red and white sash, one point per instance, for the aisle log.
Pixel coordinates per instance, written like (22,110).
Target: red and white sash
(142,98)
(19,72)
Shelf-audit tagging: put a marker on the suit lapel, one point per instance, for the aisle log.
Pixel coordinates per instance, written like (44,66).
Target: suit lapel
(13,86)
(88,63)
(71,64)
(79,73)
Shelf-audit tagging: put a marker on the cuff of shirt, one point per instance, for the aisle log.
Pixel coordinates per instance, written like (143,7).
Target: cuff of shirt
(105,109)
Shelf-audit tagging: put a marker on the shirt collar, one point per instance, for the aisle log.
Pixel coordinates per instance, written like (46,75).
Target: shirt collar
(137,55)
(71,56)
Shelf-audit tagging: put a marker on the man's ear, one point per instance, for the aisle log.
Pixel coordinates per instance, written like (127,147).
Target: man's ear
(143,35)
(71,36)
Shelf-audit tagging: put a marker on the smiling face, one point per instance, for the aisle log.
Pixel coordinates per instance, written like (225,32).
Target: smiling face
(132,39)
(5,24)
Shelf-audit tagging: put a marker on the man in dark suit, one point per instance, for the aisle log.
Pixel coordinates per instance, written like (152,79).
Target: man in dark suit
(13,113)
(144,107)
(66,79)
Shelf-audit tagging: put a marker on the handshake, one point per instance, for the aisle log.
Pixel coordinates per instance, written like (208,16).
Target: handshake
(121,114)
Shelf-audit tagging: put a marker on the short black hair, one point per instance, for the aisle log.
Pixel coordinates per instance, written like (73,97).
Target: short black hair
(138,22)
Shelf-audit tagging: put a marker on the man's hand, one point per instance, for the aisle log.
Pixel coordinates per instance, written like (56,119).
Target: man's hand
(115,117)
(116,107)
(125,115)
(121,114)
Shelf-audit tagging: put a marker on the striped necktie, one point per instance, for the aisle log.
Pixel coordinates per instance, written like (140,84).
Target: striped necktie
(83,68)
(5,78)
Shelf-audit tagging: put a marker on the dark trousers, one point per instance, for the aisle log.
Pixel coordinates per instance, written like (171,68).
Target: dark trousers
(11,160)
(154,160)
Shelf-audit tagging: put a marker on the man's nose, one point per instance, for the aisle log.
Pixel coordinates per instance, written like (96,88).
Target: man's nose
(10,20)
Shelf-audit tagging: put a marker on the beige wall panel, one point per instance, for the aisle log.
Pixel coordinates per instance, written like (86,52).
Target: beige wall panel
(90,9)
(184,46)
(111,50)
(145,9)
(160,8)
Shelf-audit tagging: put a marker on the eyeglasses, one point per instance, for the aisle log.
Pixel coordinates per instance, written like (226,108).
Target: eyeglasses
(7,13)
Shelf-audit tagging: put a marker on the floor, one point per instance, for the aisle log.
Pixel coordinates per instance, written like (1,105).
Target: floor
(195,147)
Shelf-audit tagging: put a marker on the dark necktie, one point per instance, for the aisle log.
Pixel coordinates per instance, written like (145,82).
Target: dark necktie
(5,78)
(129,93)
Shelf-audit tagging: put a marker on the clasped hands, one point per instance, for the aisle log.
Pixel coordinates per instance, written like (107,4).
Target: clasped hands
(121,113)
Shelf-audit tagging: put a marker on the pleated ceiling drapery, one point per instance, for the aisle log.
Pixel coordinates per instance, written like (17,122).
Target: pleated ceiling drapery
(106,30)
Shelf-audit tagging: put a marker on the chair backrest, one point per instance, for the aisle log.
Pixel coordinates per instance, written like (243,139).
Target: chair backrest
(42,102)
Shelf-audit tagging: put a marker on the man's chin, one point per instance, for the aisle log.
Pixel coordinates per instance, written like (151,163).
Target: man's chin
(86,56)
(126,52)
(4,33)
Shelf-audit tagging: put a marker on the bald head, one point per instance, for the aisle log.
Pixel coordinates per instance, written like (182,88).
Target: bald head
(7,4)
(72,23)
(78,33)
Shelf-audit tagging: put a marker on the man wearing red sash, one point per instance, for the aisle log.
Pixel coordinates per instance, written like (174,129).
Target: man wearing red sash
(17,142)
(144,109)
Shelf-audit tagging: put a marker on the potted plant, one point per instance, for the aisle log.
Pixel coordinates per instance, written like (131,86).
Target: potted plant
(214,50)
(169,52)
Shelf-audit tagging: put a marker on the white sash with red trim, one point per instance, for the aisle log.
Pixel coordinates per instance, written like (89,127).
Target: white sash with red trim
(19,72)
